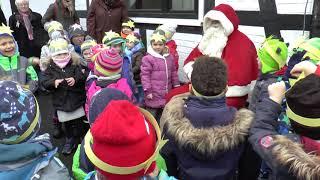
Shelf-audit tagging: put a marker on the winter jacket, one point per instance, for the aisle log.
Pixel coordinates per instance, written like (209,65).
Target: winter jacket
(172,46)
(81,164)
(260,90)
(32,160)
(288,156)
(126,71)
(28,48)
(17,68)
(57,12)
(112,18)
(137,54)
(206,137)
(158,77)
(66,98)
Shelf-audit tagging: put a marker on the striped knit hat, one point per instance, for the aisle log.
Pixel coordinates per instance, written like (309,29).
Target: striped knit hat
(112,38)
(312,46)
(108,63)
(88,43)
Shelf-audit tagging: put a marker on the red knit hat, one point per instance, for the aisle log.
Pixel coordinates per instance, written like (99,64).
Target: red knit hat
(124,141)
(108,62)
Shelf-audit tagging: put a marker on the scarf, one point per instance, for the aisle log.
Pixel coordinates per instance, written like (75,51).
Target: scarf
(62,63)
(27,24)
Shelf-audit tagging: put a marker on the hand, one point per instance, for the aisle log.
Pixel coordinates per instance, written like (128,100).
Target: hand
(149,96)
(70,81)
(277,91)
(57,82)
(305,66)
(35,61)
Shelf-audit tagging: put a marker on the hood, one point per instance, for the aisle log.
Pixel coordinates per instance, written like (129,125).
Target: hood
(155,54)
(290,154)
(20,154)
(226,15)
(205,112)
(205,141)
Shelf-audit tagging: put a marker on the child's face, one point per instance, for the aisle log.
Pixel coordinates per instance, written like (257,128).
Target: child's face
(78,40)
(87,54)
(61,56)
(117,47)
(130,45)
(158,46)
(7,46)
(126,30)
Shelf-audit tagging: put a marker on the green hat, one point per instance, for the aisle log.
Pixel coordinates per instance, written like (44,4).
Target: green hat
(112,38)
(312,46)
(273,55)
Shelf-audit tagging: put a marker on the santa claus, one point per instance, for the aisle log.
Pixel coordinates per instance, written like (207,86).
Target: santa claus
(222,39)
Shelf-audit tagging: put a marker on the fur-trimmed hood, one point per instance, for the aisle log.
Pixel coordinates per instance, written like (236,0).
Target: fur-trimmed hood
(205,141)
(290,154)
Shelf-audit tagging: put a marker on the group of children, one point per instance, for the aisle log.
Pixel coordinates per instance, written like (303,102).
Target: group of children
(101,90)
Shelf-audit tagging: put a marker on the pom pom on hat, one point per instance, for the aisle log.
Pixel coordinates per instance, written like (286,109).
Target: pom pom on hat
(123,137)
(53,26)
(108,63)
(19,113)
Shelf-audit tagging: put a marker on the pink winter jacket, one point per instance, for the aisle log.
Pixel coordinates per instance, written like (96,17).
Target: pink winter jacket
(158,76)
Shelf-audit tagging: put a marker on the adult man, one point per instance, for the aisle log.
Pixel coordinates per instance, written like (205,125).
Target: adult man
(222,39)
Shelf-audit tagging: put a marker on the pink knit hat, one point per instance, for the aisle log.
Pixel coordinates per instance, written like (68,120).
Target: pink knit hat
(108,63)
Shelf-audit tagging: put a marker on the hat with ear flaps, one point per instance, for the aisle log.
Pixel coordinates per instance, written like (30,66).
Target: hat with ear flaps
(272,54)
(303,106)
(19,114)
(124,141)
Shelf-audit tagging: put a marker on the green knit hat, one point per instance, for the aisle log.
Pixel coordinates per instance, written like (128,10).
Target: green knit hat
(272,54)
(312,46)
(112,38)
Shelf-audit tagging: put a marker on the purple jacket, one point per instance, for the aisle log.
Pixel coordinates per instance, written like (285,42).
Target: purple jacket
(158,76)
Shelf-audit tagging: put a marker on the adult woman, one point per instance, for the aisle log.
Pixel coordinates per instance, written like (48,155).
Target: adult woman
(62,11)
(28,30)
(105,15)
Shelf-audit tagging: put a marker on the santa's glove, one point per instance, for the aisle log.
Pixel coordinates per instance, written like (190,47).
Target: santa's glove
(188,69)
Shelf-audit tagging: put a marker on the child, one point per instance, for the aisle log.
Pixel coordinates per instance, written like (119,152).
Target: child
(135,49)
(115,144)
(158,74)
(170,30)
(272,56)
(24,155)
(115,41)
(127,28)
(106,74)
(13,66)
(66,81)
(87,53)
(81,164)
(77,36)
(206,137)
(291,156)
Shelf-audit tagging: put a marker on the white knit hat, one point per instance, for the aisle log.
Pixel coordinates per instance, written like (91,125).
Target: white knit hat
(169,29)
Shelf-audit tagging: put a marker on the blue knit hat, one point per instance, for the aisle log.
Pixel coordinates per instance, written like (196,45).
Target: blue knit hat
(19,113)
(101,100)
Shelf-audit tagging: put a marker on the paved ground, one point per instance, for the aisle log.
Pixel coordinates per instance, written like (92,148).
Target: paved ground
(46,126)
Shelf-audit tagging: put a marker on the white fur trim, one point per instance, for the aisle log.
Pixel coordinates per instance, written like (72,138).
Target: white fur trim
(188,69)
(239,91)
(219,16)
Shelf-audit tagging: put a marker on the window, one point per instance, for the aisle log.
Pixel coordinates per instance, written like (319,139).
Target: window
(186,9)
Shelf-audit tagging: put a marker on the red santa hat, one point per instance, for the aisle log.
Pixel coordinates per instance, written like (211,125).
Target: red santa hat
(126,141)
(225,14)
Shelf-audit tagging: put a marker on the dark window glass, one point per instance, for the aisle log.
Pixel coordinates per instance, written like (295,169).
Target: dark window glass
(144,4)
(182,5)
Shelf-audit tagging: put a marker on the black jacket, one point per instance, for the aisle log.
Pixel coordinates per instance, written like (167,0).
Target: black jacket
(29,48)
(283,154)
(65,98)
(136,59)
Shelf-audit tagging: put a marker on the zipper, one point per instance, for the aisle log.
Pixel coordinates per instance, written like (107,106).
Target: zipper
(13,77)
(167,73)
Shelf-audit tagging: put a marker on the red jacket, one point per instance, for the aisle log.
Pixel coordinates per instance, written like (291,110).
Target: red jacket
(239,54)
(172,46)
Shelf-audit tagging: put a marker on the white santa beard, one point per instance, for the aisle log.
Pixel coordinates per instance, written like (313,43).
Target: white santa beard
(213,42)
